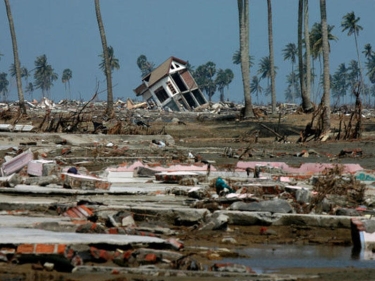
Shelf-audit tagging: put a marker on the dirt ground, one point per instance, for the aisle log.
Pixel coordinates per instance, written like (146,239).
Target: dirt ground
(209,138)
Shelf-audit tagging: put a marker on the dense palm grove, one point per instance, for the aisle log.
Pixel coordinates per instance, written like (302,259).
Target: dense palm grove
(303,84)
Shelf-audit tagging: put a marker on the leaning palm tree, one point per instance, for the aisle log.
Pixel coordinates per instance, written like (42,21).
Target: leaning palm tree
(107,67)
(65,78)
(350,24)
(325,103)
(244,27)
(17,64)
(271,56)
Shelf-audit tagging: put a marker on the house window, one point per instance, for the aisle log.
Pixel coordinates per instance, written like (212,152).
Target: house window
(199,97)
(161,94)
(178,81)
(171,88)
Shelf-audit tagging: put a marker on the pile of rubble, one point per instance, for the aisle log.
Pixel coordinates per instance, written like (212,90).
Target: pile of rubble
(120,204)
(133,215)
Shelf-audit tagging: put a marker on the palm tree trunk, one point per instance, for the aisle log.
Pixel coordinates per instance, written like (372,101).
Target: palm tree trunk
(326,83)
(243,16)
(359,61)
(272,59)
(108,72)
(306,103)
(17,64)
(307,46)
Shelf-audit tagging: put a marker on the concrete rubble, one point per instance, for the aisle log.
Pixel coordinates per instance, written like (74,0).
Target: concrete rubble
(133,212)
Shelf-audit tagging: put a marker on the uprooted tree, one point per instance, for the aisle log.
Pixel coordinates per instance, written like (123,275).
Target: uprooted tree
(348,129)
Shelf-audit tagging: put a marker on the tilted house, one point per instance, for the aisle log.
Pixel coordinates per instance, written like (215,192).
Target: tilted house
(171,85)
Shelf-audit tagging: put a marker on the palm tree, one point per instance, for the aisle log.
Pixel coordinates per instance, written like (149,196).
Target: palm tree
(306,102)
(44,75)
(316,44)
(65,78)
(350,24)
(4,85)
(293,87)
(255,87)
(107,65)
(368,51)
(340,82)
(244,27)
(30,89)
(326,116)
(236,58)
(271,56)
(370,65)
(144,65)
(265,71)
(13,72)
(307,48)
(113,61)
(290,53)
(222,80)
(204,78)
(17,64)
(354,74)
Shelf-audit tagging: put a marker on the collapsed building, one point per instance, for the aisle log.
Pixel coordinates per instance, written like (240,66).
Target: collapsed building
(171,86)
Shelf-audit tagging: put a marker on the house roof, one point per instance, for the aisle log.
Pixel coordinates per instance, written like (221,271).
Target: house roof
(162,70)
(140,89)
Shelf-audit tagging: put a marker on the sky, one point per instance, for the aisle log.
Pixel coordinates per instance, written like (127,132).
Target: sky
(197,31)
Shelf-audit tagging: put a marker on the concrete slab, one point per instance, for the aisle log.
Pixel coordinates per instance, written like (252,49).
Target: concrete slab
(16,163)
(37,236)
(129,188)
(28,221)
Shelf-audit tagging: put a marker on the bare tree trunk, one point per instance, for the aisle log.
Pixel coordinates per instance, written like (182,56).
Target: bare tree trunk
(326,82)
(272,59)
(17,64)
(243,16)
(108,72)
(306,103)
(307,46)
